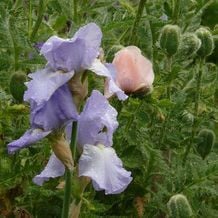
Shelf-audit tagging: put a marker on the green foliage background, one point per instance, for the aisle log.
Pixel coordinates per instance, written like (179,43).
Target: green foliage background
(154,130)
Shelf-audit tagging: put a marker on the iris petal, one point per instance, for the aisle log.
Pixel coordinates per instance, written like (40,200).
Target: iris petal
(97,122)
(56,112)
(43,84)
(105,169)
(53,169)
(108,71)
(76,53)
(30,136)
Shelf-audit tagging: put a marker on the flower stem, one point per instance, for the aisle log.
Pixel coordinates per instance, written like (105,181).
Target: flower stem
(74,139)
(169,70)
(75,10)
(30,19)
(67,194)
(38,21)
(68,174)
(137,19)
(196,108)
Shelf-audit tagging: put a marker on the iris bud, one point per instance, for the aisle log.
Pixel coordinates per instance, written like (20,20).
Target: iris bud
(61,148)
(179,207)
(189,45)
(205,142)
(169,39)
(207,43)
(17,86)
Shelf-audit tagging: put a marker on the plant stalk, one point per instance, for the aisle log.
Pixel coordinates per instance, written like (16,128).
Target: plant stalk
(137,19)
(75,10)
(30,19)
(196,108)
(68,174)
(169,70)
(38,21)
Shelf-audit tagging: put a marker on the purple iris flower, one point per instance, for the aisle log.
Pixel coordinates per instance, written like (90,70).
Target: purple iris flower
(52,107)
(66,57)
(49,97)
(56,113)
(98,161)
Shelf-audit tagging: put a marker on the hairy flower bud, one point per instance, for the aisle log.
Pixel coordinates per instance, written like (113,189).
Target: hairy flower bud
(17,86)
(179,207)
(207,43)
(78,88)
(169,39)
(189,45)
(205,142)
(187,118)
(62,151)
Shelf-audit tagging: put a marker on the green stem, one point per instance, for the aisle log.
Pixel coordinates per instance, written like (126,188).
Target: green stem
(68,175)
(168,67)
(137,19)
(30,19)
(74,139)
(17,4)
(67,193)
(14,43)
(149,38)
(196,108)
(169,70)
(176,10)
(75,4)
(38,21)
(197,96)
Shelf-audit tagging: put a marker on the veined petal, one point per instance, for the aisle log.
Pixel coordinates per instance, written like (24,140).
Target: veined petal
(97,122)
(56,112)
(30,136)
(53,169)
(109,72)
(105,169)
(76,53)
(112,86)
(44,83)
(91,34)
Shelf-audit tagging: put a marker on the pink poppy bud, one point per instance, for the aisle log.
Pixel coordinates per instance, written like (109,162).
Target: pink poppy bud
(134,72)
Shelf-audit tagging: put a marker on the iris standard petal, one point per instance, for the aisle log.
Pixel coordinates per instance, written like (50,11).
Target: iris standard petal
(97,122)
(53,169)
(105,169)
(76,53)
(30,136)
(112,87)
(109,72)
(92,35)
(56,112)
(44,83)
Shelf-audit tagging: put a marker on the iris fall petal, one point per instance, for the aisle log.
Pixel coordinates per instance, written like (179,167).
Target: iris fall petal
(56,112)
(53,169)
(105,169)
(30,136)
(97,122)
